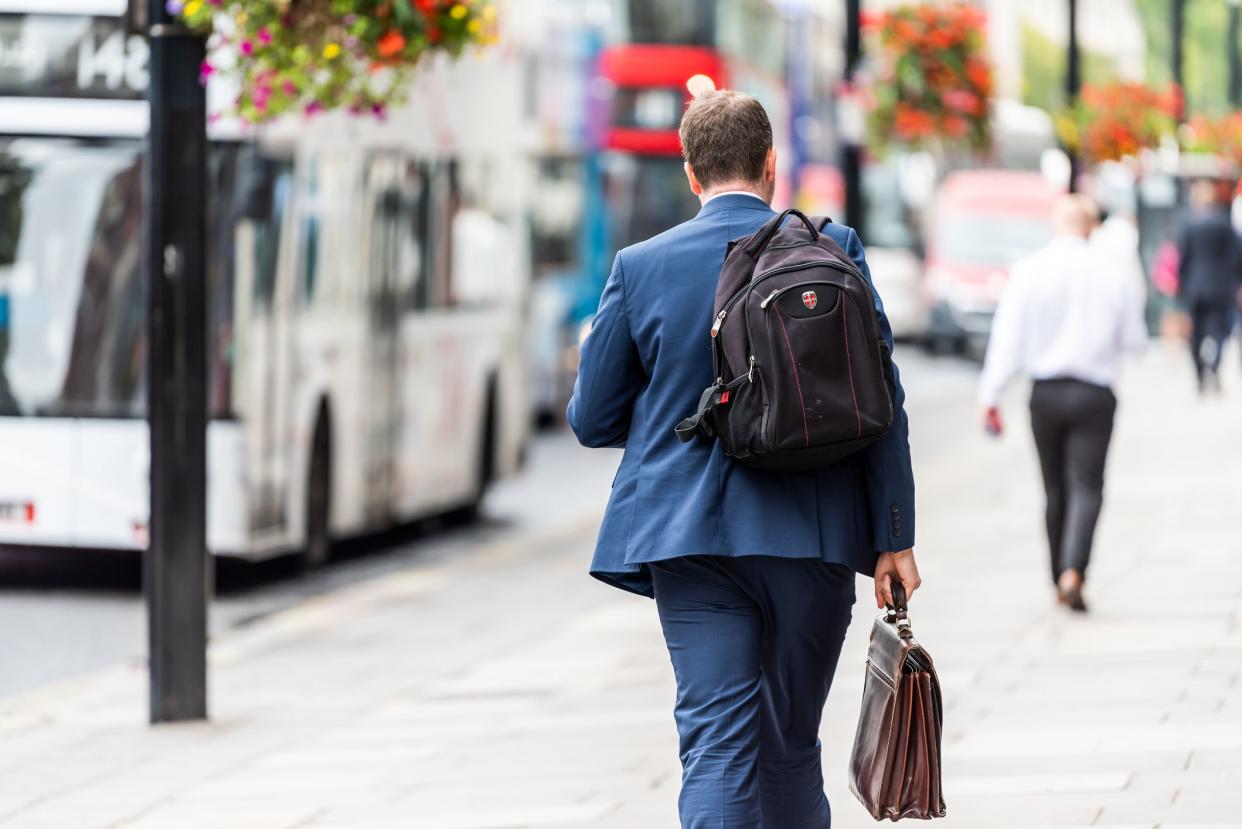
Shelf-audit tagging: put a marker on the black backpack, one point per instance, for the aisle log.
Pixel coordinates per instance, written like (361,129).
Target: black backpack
(803,376)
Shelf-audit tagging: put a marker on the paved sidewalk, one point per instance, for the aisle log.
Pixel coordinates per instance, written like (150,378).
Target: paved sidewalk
(506,689)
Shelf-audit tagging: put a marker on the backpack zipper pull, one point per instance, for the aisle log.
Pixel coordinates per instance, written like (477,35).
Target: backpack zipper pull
(764,305)
(750,372)
(719,321)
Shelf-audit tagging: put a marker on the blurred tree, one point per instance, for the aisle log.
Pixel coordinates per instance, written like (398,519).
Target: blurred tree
(1206,63)
(1043,69)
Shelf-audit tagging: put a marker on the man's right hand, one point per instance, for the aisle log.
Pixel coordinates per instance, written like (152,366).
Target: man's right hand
(900,566)
(993,423)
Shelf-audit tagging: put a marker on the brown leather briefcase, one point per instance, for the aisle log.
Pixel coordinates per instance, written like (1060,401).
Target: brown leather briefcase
(895,767)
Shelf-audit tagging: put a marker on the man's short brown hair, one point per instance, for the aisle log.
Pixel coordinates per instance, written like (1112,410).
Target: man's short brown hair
(725,136)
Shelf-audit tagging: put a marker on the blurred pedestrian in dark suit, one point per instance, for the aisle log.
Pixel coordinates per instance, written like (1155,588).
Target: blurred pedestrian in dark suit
(1210,264)
(1070,312)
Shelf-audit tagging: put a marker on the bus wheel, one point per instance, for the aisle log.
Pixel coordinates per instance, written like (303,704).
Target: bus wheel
(486,472)
(319,499)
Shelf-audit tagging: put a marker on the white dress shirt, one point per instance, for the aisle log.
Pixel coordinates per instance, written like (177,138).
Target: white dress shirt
(735,193)
(1068,311)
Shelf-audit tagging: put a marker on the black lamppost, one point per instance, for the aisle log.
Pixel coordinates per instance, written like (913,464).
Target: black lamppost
(851,151)
(1176,30)
(1073,81)
(175,574)
(1235,65)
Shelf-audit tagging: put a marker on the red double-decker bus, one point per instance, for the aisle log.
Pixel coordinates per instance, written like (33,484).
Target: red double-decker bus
(657,47)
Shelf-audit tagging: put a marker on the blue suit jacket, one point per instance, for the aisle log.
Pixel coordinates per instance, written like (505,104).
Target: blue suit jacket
(643,367)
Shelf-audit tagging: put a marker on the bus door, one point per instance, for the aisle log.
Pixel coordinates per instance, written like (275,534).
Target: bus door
(264,251)
(384,200)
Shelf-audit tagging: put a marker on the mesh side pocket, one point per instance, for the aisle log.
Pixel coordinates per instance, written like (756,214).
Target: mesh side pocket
(743,417)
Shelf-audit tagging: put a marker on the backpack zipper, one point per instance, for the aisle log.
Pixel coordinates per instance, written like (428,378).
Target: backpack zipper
(745,290)
(750,285)
(787,245)
(772,296)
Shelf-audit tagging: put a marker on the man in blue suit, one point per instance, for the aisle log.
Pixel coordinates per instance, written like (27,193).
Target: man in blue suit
(752,571)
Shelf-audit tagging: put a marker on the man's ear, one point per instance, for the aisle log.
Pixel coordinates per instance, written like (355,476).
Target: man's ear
(769,165)
(695,187)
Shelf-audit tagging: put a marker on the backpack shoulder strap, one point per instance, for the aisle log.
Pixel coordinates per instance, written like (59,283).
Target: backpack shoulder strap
(822,222)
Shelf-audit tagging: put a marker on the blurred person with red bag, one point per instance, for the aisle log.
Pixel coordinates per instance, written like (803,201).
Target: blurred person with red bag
(1068,315)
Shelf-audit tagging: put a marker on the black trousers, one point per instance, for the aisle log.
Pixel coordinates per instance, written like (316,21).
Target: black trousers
(1210,322)
(1073,424)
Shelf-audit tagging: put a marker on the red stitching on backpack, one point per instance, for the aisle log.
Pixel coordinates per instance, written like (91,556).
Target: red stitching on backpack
(849,364)
(806,432)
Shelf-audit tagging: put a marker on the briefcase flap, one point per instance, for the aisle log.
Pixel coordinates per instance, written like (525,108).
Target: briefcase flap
(892,644)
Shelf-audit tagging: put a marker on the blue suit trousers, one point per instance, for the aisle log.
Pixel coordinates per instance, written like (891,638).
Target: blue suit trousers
(754,643)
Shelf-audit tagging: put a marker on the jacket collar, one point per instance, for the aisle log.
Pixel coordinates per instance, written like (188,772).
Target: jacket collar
(730,201)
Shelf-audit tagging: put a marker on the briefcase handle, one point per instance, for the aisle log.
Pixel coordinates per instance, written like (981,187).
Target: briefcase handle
(898,611)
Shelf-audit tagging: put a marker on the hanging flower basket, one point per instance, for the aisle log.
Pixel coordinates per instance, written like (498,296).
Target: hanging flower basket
(1220,136)
(313,55)
(930,85)
(1118,120)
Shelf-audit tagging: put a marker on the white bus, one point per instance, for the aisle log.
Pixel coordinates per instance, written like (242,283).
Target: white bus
(367,283)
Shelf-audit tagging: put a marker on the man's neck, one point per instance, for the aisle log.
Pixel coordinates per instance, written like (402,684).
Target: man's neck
(730,190)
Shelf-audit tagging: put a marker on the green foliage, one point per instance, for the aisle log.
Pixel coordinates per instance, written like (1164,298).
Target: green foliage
(1205,57)
(1043,69)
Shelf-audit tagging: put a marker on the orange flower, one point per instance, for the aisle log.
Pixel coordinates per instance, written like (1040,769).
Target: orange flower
(391,44)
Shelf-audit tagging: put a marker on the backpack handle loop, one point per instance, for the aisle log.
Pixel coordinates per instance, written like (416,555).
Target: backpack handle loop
(764,236)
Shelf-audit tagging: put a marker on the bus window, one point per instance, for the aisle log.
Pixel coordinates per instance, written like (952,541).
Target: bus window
(248,193)
(412,232)
(222,172)
(689,22)
(445,202)
(556,216)
(262,197)
(74,303)
(308,242)
(399,229)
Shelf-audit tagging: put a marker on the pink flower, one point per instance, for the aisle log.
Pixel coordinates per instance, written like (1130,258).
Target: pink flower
(313,108)
(246,47)
(960,100)
(289,88)
(265,36)
(205,70)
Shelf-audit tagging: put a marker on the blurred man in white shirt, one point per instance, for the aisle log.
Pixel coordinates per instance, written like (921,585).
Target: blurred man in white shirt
(1066,319)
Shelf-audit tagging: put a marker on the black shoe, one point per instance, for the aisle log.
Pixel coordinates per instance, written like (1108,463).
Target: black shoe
(1073,599)
(1069,591)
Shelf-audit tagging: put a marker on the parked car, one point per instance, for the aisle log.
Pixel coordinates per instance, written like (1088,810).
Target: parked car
(981,222)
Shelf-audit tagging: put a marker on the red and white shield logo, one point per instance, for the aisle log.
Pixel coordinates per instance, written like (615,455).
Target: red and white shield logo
(809,300)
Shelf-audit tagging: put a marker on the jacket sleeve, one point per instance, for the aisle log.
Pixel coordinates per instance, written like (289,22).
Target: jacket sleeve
(610,374)
(886,467)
